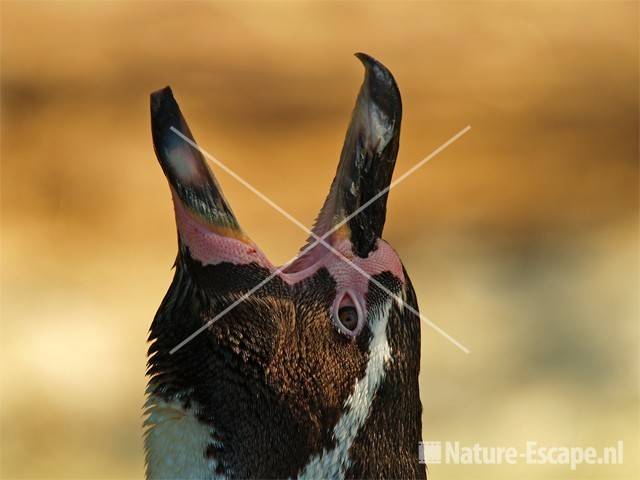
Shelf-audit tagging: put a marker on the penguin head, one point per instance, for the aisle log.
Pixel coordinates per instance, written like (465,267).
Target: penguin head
(309,369)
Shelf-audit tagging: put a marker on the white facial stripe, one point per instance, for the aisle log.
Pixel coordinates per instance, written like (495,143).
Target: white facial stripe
(334,463)
(176,442)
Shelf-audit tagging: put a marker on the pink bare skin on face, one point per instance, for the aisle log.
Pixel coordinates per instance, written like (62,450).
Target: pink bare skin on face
(212,245)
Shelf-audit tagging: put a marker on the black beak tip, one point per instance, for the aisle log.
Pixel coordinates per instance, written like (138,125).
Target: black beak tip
(160,96)
(381,85)
(368,61)
(165,112)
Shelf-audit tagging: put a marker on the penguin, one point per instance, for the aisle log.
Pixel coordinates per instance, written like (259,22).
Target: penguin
(315,373)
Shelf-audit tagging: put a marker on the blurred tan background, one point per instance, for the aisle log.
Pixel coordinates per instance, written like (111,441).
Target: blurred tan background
(521,238)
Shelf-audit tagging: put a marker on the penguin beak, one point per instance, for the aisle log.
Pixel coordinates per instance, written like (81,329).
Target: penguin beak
(355,208)
(194,188)
(366,162)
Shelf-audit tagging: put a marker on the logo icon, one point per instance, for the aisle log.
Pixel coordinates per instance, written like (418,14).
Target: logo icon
(430,452)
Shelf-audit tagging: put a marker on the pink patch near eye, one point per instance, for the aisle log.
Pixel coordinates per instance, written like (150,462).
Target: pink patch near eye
(346,301)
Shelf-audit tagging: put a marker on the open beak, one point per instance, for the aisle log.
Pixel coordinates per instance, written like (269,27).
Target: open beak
(355,208)
(359,190)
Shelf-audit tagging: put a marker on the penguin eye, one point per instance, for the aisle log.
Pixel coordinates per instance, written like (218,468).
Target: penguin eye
(348,317)
(347,314)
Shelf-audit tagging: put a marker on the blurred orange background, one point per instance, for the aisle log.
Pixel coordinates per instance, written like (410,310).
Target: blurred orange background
(521,238)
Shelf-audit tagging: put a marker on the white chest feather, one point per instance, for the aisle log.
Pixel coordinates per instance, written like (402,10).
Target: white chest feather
(176,442)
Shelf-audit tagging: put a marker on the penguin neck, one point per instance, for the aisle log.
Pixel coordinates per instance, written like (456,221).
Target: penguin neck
(178,441)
